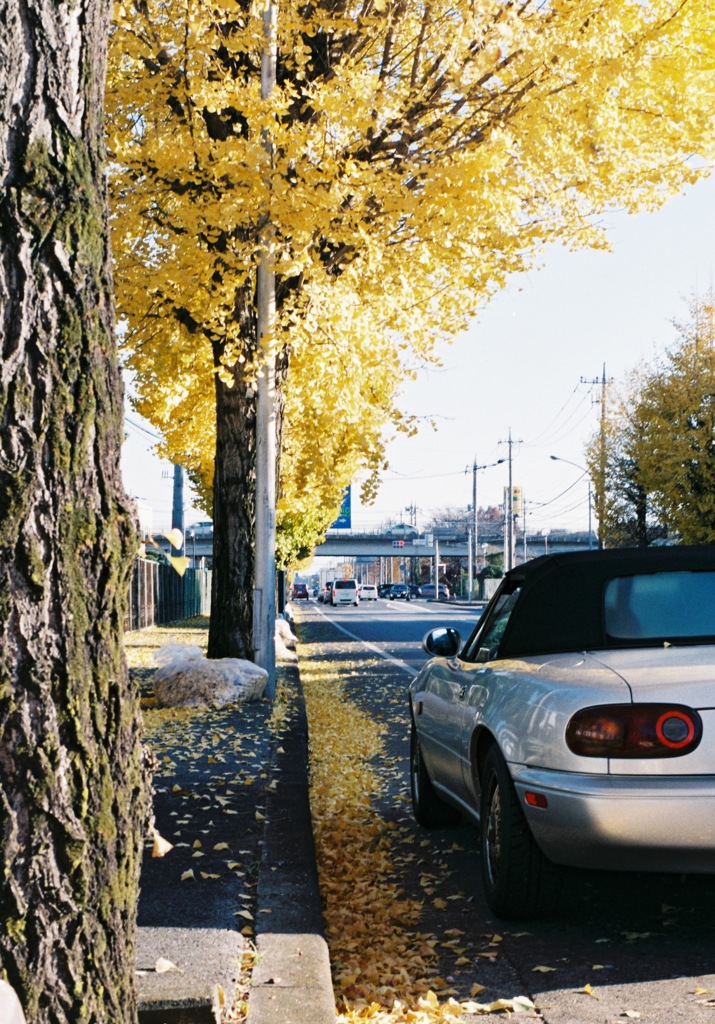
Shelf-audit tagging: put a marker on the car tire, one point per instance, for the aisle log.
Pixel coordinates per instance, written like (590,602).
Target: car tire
(519,881)
(428,809)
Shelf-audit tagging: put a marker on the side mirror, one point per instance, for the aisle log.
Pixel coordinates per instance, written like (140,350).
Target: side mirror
(444,642)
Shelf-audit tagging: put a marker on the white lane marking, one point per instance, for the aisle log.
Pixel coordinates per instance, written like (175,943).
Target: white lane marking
(371,647)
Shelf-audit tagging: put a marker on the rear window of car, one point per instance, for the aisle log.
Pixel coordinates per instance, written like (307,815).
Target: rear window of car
(661,604)
(345,585)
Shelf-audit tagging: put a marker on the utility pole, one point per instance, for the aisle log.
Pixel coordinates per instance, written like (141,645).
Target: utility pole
(601,500)
(264,593)
(177,505)
(475,511)
(509,511)
(412,510)
(470,570)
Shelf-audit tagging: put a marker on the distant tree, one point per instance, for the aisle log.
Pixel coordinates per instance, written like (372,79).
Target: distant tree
(653,465)
(676,420)
(71,783)
(623,503)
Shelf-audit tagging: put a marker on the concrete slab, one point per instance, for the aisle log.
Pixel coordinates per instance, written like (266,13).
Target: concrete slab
(207,962)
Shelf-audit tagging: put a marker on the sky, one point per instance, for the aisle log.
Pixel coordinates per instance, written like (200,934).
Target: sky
(526,366)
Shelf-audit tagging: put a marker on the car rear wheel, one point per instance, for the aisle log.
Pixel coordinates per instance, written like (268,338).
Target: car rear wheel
(519,881)
(428,808)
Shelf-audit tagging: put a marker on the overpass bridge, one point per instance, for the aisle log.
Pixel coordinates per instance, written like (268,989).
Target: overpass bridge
(349,544)
(198,544)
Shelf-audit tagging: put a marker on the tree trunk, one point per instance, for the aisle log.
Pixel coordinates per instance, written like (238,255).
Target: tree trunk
(72,798)
(234,518)
(234,500)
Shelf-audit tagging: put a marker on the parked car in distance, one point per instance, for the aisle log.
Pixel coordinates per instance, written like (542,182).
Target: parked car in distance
(383,589)
(415,591)
(300,590)
(399,590)
(344,592)
(368,592)
(324,595)
(576,725)
(428,591)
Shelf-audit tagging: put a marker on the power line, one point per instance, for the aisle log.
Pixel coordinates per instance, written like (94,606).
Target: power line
(143,430)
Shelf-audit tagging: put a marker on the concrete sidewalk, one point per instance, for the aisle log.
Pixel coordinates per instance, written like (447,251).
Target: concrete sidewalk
(266,827)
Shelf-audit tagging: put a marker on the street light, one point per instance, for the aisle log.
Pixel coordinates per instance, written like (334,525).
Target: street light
(557,458)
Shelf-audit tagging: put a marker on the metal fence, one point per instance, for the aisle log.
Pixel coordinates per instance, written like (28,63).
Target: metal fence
(158,594)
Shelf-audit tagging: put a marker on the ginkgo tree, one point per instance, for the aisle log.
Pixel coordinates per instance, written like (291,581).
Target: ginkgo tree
(410,158)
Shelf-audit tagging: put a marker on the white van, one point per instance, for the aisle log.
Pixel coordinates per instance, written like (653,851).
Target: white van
(345,592)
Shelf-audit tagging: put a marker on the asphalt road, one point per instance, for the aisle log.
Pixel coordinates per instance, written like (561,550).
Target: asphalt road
(617,947)
(396,628)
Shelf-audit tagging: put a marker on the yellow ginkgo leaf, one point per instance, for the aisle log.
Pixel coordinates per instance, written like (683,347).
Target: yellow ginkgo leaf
(175,538)
(161,846)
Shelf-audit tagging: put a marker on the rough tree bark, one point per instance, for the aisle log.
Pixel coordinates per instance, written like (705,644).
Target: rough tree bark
(234,518)
(231,631)
(71,787)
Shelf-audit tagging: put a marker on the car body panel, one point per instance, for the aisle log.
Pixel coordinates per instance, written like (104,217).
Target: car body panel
(623,822)
(617,812)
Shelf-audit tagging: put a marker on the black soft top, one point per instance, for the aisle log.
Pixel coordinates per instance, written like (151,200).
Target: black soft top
(561,606)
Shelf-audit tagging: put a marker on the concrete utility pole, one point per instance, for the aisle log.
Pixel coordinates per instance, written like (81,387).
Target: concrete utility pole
(602,453)
(509,511)
(264,593)
(475,532)
(470,568)
(177,505)
(475,512)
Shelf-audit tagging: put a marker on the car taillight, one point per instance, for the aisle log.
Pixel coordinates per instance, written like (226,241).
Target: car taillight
(634,730)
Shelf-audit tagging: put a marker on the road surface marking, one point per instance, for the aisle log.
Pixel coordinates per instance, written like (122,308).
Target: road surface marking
(371,647)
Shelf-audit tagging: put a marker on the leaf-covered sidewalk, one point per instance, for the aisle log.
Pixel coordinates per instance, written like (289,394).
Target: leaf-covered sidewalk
(387,969)
(213,771)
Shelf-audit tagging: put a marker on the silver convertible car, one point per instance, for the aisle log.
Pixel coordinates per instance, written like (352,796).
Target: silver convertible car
(576,725)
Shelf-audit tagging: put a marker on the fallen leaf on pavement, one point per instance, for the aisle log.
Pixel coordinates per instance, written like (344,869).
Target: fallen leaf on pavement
(163,966)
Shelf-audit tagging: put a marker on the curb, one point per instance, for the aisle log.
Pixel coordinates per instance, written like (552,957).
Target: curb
(291,982)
